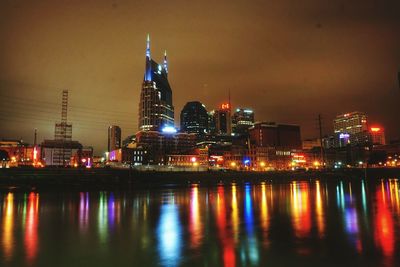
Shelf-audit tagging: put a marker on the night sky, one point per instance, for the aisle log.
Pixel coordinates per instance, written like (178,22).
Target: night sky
(288,60)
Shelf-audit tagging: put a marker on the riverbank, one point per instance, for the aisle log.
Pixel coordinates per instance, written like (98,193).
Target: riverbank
(28,178)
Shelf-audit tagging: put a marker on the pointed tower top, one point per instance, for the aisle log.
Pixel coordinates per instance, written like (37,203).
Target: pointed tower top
(148,46)
(147,74)
(165,61)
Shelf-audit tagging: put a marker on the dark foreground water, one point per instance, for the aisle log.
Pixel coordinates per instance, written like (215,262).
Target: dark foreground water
(301,223)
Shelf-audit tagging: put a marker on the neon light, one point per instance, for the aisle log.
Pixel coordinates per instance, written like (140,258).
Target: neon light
(225,106)
(375,129)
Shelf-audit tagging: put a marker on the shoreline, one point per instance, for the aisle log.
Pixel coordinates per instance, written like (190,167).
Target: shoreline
(97,179)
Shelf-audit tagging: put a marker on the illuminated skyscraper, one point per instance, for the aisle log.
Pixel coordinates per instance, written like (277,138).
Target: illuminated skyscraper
(194,118)
(352,126)
(377,135)
(223,120)
(242,120)
(114,138)
(155,108)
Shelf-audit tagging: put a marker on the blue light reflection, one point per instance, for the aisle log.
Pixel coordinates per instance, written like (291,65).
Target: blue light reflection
(169,235)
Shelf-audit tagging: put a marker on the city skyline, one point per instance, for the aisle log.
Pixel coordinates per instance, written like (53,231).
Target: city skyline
(277,64)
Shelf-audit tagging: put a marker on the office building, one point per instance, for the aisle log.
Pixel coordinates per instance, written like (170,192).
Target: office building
(242,120)
(352,126)
(194,118)
(222,120)
(114,138)
(212,128)
(377,135)
(271,134)
(155,107)
(159,144)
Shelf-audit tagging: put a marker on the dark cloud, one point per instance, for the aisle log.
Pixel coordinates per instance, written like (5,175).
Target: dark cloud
(289,60)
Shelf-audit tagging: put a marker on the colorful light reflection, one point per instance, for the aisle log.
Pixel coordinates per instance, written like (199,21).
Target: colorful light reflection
(319,210)
(83,210)
(169,235)
(195,224)
(227,243)
(301,215)
(31,231)
(8,235)
(384,225)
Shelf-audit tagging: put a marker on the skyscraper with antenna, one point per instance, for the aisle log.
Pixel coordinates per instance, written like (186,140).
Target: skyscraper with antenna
(155,107)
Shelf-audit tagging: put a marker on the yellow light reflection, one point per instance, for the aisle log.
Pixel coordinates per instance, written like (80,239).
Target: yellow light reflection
(195,225)
(264,209)
(319,211)
(31,235)
(300,209)
(8,237)
(235,214)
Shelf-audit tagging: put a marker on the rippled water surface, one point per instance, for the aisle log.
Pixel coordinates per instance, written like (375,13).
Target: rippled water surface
(300,223)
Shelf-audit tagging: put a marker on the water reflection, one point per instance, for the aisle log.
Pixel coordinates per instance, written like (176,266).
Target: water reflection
(235,214)
(300,204)
(83,211)
(227,225)
(103,218)
(8,223)
(319,210)
(169,233)
(265,213)
(225,237)
(384,225)
(195,223)
(249,250)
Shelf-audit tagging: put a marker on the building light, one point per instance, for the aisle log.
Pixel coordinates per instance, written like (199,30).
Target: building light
(225,106)
(169,130)
(375,129)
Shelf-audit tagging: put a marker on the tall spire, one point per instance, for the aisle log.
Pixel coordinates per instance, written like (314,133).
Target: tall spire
(148,46)
(165,62)
(147,74)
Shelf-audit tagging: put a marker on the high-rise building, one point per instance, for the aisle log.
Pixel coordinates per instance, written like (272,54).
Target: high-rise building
(271,134)
(223,120)
(155,108)
(212,128)
(377,135)
(194,118)
(114,138)
(242,120)
(352,126)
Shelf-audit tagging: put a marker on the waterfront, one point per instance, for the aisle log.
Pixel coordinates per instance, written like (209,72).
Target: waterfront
(302,222)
